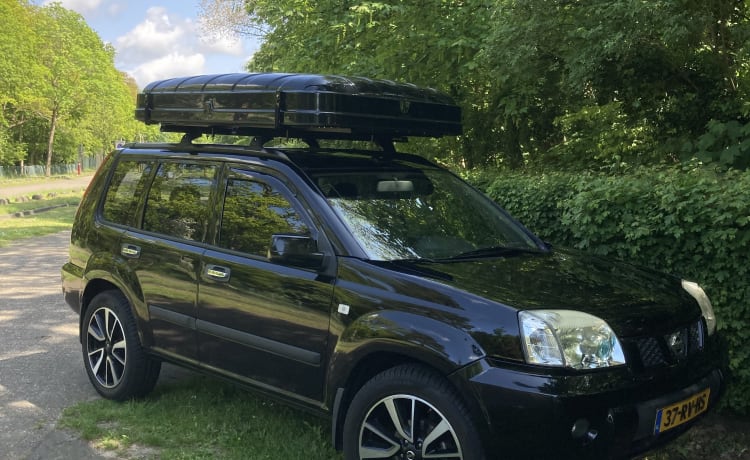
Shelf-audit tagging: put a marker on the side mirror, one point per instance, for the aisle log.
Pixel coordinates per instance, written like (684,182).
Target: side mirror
(295,250)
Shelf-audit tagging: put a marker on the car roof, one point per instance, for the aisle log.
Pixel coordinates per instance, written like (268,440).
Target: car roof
(310,160)
(340,159)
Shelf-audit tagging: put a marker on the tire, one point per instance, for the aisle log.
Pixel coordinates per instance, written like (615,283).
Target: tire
(379,419)
(116,363)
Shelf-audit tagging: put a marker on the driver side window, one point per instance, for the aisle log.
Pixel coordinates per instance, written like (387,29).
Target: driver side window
(253,211)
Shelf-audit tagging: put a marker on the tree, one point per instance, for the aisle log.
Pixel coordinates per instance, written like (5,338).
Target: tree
(59,89)
(575,83)
(72,62)
(667,66)
(227,17)
(431,42)
(17,68)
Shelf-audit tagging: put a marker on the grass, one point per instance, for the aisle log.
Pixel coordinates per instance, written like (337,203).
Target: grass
(16,228)
(64,204)
(61,198)
(200,418)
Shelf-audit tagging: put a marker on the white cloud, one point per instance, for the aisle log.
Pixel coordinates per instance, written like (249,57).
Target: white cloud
(171,65)
(80,6)
(156,36)
(165,45)
(231,46)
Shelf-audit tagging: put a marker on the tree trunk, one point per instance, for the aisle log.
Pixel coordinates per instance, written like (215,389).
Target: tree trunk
(513,152)
(51,141)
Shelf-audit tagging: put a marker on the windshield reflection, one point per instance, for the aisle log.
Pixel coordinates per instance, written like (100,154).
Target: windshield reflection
(419,214)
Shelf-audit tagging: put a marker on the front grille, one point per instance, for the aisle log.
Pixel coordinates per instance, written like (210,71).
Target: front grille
(664,349)
(651,352)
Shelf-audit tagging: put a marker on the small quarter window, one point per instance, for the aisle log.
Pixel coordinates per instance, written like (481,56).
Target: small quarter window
(125,189)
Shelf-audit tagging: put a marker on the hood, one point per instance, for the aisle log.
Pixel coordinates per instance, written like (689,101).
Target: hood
(633,301)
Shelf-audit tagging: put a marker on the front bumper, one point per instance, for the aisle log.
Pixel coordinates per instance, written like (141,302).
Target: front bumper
(596,415)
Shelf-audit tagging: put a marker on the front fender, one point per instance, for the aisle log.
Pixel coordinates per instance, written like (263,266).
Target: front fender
(440,345)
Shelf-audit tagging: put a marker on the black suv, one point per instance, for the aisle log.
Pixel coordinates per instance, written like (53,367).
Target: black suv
(370,286)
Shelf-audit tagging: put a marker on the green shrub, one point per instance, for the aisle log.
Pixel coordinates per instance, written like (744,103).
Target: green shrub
(520,196)
(691,222)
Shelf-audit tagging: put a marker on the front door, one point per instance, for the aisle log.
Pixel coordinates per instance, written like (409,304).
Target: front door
(258,320)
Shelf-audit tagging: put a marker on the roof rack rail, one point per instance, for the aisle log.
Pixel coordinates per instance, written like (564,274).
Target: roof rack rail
(268,105)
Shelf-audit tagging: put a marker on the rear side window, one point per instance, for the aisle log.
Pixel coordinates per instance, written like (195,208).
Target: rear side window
(178,201)
(253,211)
(125,189)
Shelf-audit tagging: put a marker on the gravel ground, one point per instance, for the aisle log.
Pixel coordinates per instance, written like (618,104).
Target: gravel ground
(41,369)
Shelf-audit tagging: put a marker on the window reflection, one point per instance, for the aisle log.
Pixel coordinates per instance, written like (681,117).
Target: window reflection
(124,191)
(253,211)
(418,214)
(177,204)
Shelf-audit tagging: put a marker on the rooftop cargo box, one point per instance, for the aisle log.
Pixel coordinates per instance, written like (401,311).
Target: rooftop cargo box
(297,105)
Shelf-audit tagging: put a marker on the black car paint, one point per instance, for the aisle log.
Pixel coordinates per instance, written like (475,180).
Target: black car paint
(459,317)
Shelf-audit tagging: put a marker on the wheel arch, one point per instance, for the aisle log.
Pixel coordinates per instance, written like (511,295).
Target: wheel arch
(116,363)
(98,282)
(367,348)
(367,368)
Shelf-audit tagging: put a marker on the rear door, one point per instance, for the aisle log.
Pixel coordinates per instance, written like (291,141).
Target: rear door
(261,321)
(164,255)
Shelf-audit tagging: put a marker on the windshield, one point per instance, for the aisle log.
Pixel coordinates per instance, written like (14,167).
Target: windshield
(420,214)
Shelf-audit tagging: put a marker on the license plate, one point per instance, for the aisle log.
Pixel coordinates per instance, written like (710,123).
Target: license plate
(680,412)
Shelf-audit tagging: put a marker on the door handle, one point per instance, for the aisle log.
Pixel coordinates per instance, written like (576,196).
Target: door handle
(218,273)
(130,251)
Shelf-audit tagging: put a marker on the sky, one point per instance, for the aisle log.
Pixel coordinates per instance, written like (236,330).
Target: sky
(160,39)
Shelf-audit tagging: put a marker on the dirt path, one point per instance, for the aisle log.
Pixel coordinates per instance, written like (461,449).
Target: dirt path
(41,368)
(75,183)
(40,358)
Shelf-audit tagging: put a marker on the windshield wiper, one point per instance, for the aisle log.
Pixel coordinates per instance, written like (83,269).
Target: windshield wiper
(414,260)
(493,251)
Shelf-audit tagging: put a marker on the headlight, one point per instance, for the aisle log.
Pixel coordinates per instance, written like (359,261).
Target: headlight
(568,338)
(700,296)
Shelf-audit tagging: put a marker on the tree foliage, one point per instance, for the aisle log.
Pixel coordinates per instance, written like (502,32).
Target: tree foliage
(564,83)
(59,89)
(16,68)
(670,66)
(576,85)
(431,42)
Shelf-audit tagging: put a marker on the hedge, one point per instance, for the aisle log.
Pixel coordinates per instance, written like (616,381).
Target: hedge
(691,222)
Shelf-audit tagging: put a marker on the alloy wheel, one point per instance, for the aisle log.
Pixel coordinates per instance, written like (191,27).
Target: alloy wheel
(106,347)
(409,428)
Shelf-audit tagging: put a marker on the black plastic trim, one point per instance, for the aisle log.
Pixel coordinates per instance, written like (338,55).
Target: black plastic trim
(260,343)
(170,316)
